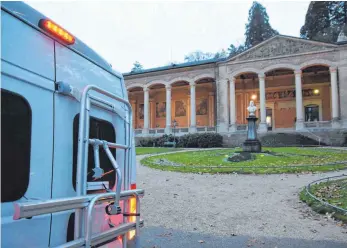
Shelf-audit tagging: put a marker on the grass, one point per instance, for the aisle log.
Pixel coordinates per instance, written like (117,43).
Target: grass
(333,192)
(214,161)
(152,150)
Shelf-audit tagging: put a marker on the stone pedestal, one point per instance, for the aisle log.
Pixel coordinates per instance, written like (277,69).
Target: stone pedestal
(335,123)
(252,144)
(192,129)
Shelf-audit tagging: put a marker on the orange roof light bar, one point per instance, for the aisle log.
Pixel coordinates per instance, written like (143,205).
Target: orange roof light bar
(57,31)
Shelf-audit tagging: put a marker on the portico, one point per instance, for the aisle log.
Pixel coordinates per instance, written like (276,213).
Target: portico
(296,84)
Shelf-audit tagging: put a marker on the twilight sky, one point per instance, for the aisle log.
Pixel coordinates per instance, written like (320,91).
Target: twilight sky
(155,33)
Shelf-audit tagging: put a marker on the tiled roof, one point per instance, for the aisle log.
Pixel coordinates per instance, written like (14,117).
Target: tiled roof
(208,61)
(174,66)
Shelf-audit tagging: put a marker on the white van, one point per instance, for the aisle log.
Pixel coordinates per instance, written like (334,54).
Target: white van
(67,153)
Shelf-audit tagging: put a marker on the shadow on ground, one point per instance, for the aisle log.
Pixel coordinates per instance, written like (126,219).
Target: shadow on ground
(156,237)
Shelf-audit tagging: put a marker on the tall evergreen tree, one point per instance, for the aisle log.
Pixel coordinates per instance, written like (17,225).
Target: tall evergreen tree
(198,56)
(324,20)
(137,67)
(317,22)
(221,54)
(233,50)
(258,27)
(338,18)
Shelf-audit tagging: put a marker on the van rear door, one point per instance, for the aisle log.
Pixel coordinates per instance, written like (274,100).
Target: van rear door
(27,85)
(78,72)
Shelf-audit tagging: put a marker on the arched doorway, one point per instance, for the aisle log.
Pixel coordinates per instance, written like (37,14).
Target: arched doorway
(317,101)
(205,102)
(180,103)
(157,106)
(136,99)
(246,90)
(280,99)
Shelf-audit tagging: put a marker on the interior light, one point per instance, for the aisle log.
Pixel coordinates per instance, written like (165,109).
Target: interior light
(254,96)
(316,91)
(57,31)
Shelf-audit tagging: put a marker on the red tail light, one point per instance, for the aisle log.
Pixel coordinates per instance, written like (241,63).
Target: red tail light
(57,31)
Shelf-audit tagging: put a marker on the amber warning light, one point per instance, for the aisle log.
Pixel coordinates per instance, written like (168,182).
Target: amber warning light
(57,31)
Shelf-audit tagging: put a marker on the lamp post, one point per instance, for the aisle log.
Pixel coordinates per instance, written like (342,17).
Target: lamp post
(174,129)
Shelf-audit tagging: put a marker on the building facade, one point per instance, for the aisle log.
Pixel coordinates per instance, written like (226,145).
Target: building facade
(213,95)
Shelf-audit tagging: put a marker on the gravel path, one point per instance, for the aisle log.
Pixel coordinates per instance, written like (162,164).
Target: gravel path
(193,210)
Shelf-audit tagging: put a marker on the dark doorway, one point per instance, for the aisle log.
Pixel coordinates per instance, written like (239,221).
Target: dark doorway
(269,120)
(312,113)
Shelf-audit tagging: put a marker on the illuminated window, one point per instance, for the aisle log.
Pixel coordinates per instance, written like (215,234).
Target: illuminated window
(312,113)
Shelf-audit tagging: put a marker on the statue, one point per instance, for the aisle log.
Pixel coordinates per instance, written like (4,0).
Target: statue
(251,108)
(252,144)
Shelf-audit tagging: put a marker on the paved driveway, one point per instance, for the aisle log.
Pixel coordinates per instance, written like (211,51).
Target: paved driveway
(192,210)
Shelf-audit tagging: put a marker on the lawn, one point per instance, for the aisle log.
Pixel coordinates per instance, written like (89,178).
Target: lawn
(151,150)
(333,192)
(286,160)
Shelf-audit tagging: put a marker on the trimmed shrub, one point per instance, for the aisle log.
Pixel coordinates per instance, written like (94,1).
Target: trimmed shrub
(196,140)
(287,139)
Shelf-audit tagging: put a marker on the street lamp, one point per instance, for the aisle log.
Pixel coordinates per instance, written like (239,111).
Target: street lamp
(174,129)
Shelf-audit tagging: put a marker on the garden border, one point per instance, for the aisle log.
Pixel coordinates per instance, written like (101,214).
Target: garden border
(239,169)
(307,189)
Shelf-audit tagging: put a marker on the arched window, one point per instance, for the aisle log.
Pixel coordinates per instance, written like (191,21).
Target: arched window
(312,112)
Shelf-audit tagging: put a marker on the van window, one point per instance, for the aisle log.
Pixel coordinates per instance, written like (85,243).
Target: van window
(99,129)
(15,146)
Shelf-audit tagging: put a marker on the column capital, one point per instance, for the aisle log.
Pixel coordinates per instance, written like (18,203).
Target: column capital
(192,84)
(223,80)
(233,80)
(332,69)
(298,72)
(145,89)
(261,75)
(168,87)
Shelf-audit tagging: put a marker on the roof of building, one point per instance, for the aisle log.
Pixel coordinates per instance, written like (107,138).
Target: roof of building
(209,61)
(174,66)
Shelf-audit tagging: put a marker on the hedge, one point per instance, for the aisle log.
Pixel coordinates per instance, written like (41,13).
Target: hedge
(196,140)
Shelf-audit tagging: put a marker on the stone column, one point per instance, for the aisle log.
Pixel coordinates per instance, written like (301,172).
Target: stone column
(192,127)
(168,109)
(298,98)
(133,108)
(342,76)
(188,109)
(233,126)
(223,123)
(334,97)
(211,109)
(146,111)
(152,113)
(262,125)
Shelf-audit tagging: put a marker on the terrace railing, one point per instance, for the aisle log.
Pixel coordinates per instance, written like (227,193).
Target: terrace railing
(317,124)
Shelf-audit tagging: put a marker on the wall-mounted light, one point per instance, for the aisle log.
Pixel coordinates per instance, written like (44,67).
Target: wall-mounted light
(316,91)
(254,96)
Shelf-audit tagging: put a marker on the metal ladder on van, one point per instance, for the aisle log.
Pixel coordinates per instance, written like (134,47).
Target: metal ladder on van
(84,203)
